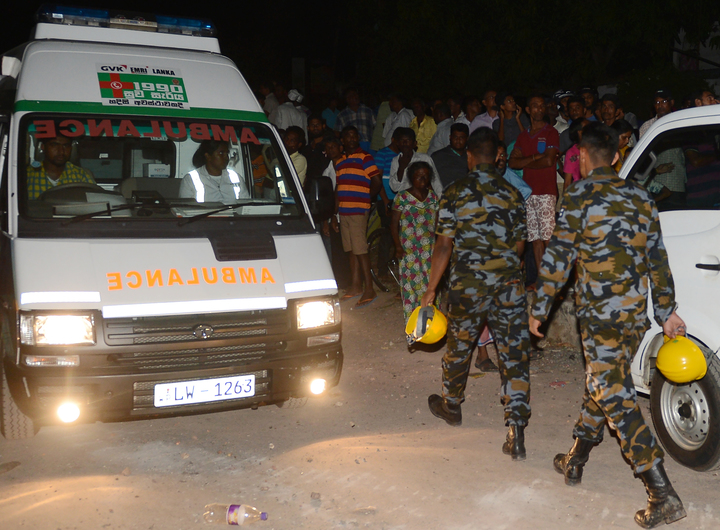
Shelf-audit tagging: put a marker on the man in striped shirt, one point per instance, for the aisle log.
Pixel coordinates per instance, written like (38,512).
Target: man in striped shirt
(358,178)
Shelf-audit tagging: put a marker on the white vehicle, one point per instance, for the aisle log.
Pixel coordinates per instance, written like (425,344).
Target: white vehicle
(687,417)
(122,296)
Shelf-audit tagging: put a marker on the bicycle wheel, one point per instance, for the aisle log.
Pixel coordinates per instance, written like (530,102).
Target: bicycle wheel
(373,252)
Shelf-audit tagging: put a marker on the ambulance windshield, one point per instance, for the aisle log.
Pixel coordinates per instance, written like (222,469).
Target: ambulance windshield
(152,168)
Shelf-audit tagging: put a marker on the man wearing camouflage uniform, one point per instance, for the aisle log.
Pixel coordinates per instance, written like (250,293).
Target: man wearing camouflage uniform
(609,229)
(481,225)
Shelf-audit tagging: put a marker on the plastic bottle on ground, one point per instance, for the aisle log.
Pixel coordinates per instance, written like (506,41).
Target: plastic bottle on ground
(233,514)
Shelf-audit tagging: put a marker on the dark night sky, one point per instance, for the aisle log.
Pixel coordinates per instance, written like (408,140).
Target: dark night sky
(434,48)
(252,32)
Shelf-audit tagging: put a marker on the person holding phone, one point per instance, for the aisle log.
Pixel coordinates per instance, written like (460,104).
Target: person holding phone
(536,153)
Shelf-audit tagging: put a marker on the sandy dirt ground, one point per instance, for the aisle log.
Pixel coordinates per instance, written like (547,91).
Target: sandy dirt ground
(367,455)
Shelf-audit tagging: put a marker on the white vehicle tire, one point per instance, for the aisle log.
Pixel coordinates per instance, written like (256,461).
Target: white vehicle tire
(14,425)
(687,417)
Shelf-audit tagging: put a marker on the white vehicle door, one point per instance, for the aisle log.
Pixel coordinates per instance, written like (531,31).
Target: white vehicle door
(686,158)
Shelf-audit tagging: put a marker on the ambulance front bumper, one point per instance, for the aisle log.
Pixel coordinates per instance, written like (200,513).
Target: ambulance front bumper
(251,360)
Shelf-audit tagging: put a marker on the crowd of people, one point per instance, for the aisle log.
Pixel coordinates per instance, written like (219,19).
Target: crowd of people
(488,199)
(539,136)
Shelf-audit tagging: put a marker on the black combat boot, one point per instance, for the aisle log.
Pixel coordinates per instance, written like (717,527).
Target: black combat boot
(664,505)
(515,442)
(444,410)
(571,464)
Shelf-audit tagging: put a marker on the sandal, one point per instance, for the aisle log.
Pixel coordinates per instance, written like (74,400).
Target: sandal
(366,302)
(486,366)
(348,296)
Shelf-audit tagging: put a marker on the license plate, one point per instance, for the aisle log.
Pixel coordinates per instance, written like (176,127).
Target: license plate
(204,390)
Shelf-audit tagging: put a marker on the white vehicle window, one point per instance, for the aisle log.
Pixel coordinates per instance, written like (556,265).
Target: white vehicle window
(681,168)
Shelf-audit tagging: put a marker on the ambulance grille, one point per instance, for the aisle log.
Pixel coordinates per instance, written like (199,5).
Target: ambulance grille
(216,335)
(205,329)
(195,358)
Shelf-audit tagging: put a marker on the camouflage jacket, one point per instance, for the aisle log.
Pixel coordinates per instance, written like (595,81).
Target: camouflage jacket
(610,228)
(485,216)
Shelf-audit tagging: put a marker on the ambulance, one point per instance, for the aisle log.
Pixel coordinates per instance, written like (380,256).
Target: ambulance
(122,296)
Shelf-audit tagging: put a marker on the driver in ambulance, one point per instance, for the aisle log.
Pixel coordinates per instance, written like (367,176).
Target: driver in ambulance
(56,168)
(212,181)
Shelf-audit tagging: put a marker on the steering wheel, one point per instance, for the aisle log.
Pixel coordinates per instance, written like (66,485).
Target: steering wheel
(71,192)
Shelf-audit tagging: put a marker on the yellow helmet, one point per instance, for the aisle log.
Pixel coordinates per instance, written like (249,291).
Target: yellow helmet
(680,360)
(426,324)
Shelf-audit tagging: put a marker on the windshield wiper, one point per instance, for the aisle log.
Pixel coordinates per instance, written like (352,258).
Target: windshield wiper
(109,211)
(186,220)
(106,211)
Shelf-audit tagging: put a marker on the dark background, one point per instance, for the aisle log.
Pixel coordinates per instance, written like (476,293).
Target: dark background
(260,36)
(433,48)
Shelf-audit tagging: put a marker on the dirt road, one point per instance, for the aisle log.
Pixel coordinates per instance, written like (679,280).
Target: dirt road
(367,455)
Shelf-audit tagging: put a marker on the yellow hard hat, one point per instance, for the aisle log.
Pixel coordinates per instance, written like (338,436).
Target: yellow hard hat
(426,324)
(680,360)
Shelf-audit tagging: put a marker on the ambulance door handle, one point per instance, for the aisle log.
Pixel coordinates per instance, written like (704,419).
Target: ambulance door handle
(706,267)
(710,264)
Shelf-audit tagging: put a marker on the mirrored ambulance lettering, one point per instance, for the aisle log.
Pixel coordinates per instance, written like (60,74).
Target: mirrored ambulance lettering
(142,128)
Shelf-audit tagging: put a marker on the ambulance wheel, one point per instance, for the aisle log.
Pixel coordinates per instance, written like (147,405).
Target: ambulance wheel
(14,425)
(687,417)
(293,403)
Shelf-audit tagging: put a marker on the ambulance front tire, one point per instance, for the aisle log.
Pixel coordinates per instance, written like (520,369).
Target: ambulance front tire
(14,425)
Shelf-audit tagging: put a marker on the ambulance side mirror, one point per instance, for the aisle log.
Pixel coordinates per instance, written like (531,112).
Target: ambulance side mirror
(320,197)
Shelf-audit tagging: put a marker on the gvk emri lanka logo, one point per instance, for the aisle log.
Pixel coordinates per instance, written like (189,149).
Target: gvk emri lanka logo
(125,69)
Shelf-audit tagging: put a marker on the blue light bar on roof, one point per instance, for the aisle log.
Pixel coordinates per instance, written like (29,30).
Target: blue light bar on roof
(80,16)
(184,25)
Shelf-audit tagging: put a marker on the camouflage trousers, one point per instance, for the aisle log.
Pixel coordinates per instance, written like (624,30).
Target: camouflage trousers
(503,306)
(610,396)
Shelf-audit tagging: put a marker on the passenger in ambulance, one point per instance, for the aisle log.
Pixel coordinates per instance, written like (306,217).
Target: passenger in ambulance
(56,168)
(212,181)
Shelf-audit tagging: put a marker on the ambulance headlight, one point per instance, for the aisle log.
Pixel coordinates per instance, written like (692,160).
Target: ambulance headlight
(318,313)
(57,330)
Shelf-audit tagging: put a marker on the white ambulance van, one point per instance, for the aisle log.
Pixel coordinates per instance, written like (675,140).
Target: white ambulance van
(124,296)
(687,416)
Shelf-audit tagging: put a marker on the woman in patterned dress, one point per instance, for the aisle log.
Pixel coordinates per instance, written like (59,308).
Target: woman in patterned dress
(413,229)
